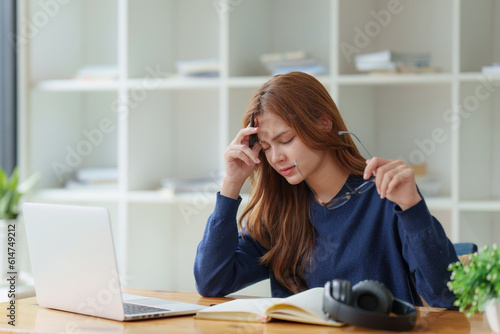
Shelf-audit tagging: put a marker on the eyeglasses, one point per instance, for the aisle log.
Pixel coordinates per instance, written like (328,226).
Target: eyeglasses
(339,201)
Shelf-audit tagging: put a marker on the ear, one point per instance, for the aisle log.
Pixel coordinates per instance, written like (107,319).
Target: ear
(325,122)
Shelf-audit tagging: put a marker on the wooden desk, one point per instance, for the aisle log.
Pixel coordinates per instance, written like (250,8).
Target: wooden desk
(31,318)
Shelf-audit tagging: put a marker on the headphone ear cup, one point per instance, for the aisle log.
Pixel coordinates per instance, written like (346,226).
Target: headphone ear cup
(372,296)
(342,291)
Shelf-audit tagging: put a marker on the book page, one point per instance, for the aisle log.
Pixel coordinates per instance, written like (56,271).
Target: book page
(304,307)
(239,310)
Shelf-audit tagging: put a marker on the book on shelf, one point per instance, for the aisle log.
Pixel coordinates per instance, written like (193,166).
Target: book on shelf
(286,62)
(97,72)
(78,185)
(209,183)
(316,69)
(386,60)
(282,56)
(198,68)
(382,66)
(290,63)
(492,69)
(97,175)
(304,307)
(93,179)
(392,56)
(404,69)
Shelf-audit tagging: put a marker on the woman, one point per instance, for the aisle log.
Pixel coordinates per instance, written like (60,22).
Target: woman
(293,232)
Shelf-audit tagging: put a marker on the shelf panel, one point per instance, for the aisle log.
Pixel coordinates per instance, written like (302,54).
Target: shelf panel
(248,82)
(132,84)
(173,83)
(65,195)
(438,203)
(387,79)
(166,197)
(257,81)
(77,85)
(477,77)
(136,196)
(177,83)
(478,205)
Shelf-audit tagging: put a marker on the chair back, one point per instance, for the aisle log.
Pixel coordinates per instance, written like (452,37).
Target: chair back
(463,248)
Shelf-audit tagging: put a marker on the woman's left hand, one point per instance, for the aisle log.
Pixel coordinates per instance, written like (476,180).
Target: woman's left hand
(394,180)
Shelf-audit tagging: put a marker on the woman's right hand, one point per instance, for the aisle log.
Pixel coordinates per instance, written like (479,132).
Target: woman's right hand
(240,161)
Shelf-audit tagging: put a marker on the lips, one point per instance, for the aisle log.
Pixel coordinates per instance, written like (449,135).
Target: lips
(286,171)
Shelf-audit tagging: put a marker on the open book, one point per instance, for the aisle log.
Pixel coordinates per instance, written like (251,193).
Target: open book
(303,307)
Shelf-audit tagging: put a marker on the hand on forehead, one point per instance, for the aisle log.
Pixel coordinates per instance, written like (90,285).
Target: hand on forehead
(270,126)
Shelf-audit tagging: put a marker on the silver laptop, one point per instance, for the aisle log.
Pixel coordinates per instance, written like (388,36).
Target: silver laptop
(74,265)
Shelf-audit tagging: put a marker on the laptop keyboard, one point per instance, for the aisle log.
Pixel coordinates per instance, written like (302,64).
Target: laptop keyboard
(131,309)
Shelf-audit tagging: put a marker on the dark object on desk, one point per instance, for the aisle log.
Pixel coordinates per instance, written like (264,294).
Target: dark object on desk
(253,138)
(462,248)
(367,304)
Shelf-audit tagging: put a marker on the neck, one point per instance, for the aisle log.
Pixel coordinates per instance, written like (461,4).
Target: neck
(327,180)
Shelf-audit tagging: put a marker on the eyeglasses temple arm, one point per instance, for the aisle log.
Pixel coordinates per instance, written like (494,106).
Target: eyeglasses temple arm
(296,165)
(352,134)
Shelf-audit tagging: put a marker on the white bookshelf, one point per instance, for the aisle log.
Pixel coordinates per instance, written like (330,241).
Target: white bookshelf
(169,126)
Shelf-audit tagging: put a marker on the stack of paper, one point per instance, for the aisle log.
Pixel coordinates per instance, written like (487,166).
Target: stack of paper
(393,61)
(494,69)
(97,72)
(208,183)
(198,68)
(286,62)
(94,178)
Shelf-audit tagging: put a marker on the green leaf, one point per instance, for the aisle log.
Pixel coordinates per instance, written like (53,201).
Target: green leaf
(476,283)
(14,178)
(29,183)
(11,192)
(3,179)
(3,182)
(5,202)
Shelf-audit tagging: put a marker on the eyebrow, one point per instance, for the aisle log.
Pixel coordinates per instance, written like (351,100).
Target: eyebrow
(277,136)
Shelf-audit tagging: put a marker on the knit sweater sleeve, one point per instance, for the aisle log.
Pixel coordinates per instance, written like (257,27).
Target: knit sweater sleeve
(428,253)
(226,260)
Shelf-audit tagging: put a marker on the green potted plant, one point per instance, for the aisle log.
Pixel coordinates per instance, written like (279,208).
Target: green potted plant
(11,192)
(477,285)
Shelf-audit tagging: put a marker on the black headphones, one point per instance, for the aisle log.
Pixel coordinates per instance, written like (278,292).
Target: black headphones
(367,304)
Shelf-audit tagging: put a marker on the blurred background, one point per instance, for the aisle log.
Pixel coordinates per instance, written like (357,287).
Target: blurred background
(130,104)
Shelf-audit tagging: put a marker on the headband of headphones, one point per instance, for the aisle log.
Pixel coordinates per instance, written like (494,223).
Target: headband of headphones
(367,304)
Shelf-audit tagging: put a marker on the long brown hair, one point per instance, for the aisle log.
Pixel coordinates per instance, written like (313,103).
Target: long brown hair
(277,215)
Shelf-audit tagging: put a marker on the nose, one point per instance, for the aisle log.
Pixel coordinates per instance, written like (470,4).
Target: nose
(277,155)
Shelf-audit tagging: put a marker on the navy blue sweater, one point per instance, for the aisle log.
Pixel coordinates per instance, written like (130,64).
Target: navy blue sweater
(367,238)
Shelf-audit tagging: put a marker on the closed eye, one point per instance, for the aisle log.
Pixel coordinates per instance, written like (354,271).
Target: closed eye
(264,149)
